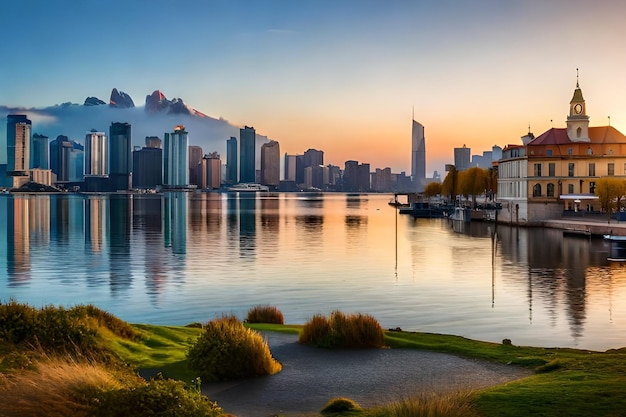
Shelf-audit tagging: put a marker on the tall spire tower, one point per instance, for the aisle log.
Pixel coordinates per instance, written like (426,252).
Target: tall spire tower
(418,156)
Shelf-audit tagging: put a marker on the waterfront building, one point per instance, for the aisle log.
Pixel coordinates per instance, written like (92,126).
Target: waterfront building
(231,160)
(247,161)
(175,159)
(290,167)
(18,148)
(195,165)
(153,142)
(96,162)
(120,159)
(270,163)
(462,158)
(418,157)
(558,170)
(39,152)
(147,166)
(313,167)
(211,171)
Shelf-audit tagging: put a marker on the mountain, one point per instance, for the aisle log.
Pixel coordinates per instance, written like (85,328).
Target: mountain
(159,116)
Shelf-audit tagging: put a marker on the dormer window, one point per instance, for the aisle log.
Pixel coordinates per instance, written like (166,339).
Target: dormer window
(589,151)
(569,151)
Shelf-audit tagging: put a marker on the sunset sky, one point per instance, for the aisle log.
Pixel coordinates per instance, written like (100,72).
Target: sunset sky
(340,76)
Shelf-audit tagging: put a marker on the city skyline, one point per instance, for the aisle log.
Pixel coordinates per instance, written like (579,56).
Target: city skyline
(334,76)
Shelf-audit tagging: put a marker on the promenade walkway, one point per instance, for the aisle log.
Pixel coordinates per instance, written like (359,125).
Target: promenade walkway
(591,225)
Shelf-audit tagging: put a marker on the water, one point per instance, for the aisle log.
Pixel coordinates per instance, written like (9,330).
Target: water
(182,258)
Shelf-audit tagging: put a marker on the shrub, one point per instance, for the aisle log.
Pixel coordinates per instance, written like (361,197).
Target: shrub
(265,314)
(341,330)
(340,405)
(76,331)
(228,350)
(159,397)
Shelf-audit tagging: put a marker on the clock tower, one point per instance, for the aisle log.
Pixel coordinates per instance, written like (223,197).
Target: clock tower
(577,120)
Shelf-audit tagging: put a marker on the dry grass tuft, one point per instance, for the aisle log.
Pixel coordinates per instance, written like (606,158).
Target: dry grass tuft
(265,314)
(452,405)
(55,388)
(344,331)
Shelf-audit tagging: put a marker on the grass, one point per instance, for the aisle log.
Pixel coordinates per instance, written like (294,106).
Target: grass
(265,314)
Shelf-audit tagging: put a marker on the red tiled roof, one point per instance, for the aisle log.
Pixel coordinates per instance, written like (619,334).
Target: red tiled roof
(599,134)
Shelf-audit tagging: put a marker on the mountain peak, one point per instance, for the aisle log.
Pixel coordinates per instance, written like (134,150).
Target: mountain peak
(120,100)
(158,103)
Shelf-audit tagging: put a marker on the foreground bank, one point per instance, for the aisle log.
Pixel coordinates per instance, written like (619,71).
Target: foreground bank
(557,382)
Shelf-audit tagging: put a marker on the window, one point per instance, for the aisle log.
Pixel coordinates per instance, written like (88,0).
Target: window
(579,132)
(570,169)
(551,169)
(589,151)
(570,188)
(549,152)
(592,169)
(569,151)
(550,190)
(537,190)
(611,169)
(592,187)
(537,170)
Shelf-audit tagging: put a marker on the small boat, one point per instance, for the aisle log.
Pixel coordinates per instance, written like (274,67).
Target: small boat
(461,214)
(248,187)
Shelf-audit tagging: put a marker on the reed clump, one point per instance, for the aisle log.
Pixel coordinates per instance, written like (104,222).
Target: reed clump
(226,349)
(340,405)
(265,314)
(343,331)
(452,405)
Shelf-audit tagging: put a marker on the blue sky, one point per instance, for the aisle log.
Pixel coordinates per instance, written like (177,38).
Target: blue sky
(341,76)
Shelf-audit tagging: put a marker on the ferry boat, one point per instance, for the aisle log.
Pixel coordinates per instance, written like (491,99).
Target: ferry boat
(248,187)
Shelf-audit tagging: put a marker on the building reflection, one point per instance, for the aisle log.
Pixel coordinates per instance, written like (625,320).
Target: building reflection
(120,215)
(175,221)
(247,225)
(18,240)
(95,222)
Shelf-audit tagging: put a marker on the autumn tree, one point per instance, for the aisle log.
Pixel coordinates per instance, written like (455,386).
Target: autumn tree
(450,184)
(432,189)
(472,182)
(609,191)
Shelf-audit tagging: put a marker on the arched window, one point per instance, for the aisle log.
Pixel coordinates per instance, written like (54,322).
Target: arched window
(579,132)
(550,190)
(589,151)
(537,190)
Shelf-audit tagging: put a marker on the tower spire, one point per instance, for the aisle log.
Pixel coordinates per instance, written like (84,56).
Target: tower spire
(413,113)
(577,86)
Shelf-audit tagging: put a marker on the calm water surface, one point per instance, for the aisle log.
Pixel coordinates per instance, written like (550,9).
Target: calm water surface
(180,258)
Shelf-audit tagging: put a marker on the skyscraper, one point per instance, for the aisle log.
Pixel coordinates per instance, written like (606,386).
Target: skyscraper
(418,156)
(147,166)
(175,160)
(96,154)
(195,165)
(96,162)
(247,165)
(462,158)
(18,148)
(211,172)
(290,167)
(120,145)
(39,154)
(270,163)
(231,160)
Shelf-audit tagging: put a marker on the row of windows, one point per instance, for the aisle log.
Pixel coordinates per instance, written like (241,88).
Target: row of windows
(550,189)
(610,168)
(570,151)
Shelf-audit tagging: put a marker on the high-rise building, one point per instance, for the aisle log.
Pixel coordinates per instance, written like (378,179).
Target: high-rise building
(18,148)
(147,167)
(247,146)
(270,163)
(195,165)
(290,167)
(66,160)
(231,160)
(462,158)
(39,152)
(120,159)
(96,162)
(153,142)
(175,159)
(418,156)
(211,172)
(96,154)
(313,157)
(350,176)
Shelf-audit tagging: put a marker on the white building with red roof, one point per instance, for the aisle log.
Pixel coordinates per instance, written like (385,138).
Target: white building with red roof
(557,171)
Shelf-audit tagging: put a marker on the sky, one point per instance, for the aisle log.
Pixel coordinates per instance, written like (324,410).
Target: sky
(344,77)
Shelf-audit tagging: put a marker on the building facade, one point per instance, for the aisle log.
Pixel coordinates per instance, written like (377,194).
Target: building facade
(39,153)
(211,171)
(232,160)
(18,148)
(462,158)
(175,159)
(558,170)
(120,158)
(270,163)
(418,157)
(247,151)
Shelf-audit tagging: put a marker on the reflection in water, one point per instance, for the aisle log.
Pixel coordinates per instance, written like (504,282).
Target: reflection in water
(203,254)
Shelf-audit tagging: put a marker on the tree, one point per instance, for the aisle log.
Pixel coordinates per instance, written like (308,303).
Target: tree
(472,182)
(432,189)
(609,191)
(450,184)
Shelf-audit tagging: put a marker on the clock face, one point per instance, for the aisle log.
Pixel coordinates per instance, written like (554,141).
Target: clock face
(578,109)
